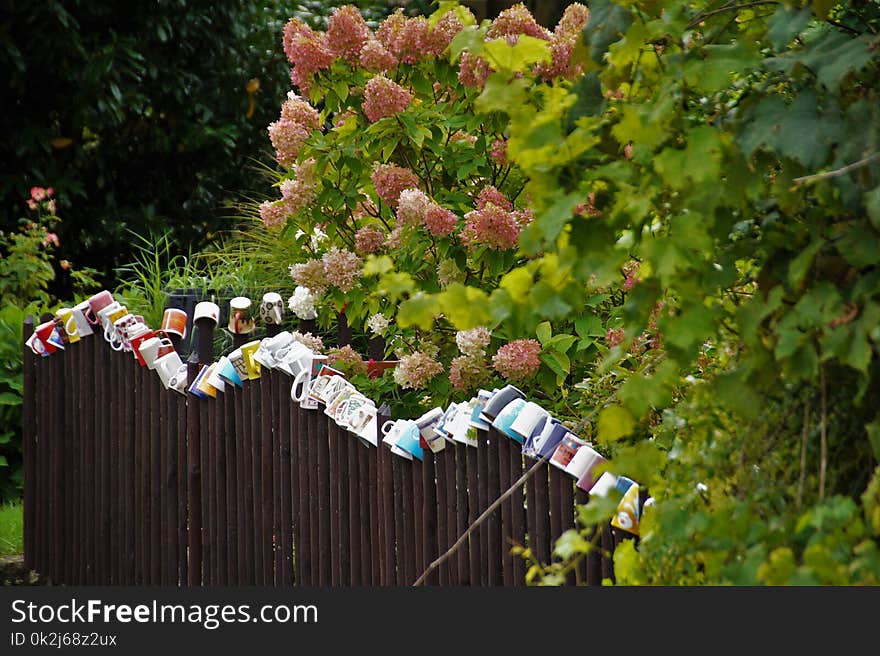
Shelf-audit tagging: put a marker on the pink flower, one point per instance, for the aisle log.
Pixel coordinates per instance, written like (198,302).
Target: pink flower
(50,239)
(295,28)
(297,110)
(492,226)
(342,268)
(631,274)
(412,207)
(38,193)
(490,195)
(368,240)
(288,138)
(389,180)
(309,53)
(473,342)
(50,191)
(405,38)
(376,58)
(302,191)
(524,216)
(32,204)
(347,32)
(614,337)
(439,221)
(310,274)
(273,213)
(346,359)
(515,21)
(473,70)
(518,360)
(383,98)
(416,370)
(499,152)
(395,238)
(467,373)
(443,33)
(573,20)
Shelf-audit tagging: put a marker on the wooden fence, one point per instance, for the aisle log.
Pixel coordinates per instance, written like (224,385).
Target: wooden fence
(129,484)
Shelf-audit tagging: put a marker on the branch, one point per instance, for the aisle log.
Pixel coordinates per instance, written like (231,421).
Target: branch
(699,18)
(479,520)
(836,173)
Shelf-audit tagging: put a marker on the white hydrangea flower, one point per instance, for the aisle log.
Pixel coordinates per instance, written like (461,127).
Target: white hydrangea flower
(302,303)
(473,342)
(378,323)
(318,236)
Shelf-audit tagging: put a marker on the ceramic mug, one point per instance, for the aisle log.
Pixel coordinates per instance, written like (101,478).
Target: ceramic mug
(504,420)
(427,424)
(583,464)
(247,352)
(273,349)
(566,450)
(272,309)
(80,317)
(153,348)
(240,320)
(108,314)
(174,322)
(95,304)
(236,359)
(44,340)
(172,372)
(528,419)
(227,372)
(499,401)
(70,328)
(207,310)
(402,436)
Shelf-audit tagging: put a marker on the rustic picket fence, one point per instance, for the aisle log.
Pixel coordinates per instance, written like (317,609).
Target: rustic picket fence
(129,484)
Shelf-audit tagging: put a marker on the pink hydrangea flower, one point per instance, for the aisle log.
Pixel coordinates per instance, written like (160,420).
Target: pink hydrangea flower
(514,21)
(389,180)
(376,58)
(573,20)
(490,195)
(51,239)
(473,70)
(499,152)
(444,31)
(309,53)
(297,110)
(32,204)
(368,240)
(631,274)
(406,38)
(346,359)
(383,98)
(412,207)
(38,194)
(302,191)
(395,238)
(310,274)
(524,216)
(295,28)
(416,370)
(439,221)
(491,226)
(347,32)
(614,337)
(518,360)
(467,373)
(342,268)
(273,213)
(288,138)
(390,30)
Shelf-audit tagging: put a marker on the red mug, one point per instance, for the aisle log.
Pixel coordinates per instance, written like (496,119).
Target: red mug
(136,345)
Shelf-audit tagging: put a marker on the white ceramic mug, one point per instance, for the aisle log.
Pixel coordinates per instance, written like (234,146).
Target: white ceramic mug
(531,416)
(154,348)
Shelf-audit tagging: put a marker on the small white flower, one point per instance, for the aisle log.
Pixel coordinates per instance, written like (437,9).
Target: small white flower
(378,323)
(302,303)
(318,236)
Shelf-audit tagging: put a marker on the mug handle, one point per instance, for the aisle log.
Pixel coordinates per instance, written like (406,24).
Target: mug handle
(389,424)
(300,380)
(70,320)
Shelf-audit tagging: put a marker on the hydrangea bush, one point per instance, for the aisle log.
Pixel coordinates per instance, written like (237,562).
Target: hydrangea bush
(385,151)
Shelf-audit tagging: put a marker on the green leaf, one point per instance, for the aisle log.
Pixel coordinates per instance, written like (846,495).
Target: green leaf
(699,162)
(519,57)
(799,266)
(599,510)
(471,38)
(502,94)
(543,331)
(8,398)
(465,307)
(518,282)
(3,462)
(560,343)
(378,265)
(570,543)
(419,310)
(615,422)
(608,23)
(786,24)
(558,363)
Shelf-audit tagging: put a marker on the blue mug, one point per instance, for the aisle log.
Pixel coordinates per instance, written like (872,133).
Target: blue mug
(506,417)
(499,401)
(409,441)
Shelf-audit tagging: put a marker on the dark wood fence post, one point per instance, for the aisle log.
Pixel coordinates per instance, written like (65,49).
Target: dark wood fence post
(27,438)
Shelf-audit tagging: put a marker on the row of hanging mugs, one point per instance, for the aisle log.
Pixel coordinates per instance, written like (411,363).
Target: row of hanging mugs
(314,383)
